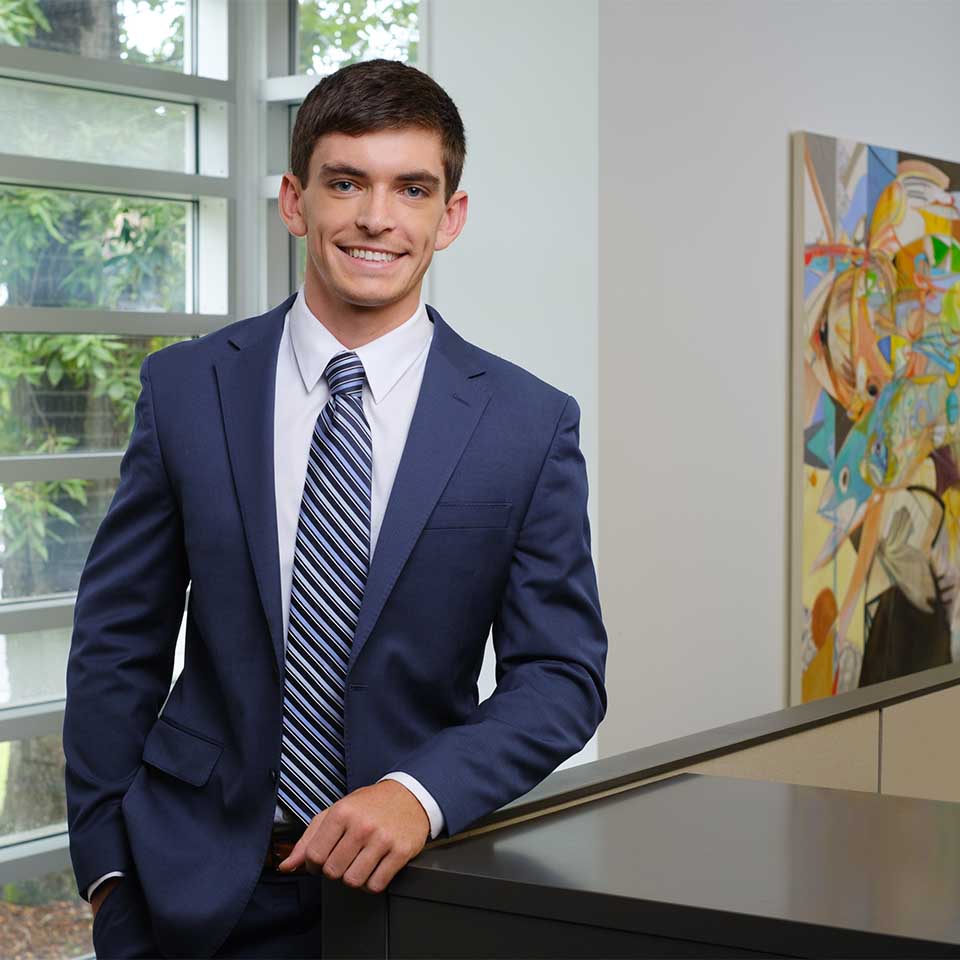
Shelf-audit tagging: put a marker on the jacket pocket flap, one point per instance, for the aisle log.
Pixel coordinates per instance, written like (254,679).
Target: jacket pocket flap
(469,513)
(184,755)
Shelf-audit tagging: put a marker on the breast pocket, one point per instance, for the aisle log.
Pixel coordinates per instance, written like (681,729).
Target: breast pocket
(469,514)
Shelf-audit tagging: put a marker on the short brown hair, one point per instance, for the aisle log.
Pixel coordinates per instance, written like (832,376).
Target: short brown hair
(378,95)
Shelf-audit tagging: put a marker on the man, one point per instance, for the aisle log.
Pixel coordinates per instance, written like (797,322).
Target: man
(355,495)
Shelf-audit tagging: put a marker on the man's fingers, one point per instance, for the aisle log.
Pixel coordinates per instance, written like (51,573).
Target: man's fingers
(386,870)
(298,854)
(335,863)
(357,874)
(325,837)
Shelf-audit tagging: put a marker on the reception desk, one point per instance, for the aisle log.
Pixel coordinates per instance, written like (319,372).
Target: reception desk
(690,866)
(635,855)
(694,866)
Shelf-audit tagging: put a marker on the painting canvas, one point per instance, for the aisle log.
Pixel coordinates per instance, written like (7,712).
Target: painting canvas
(876,415)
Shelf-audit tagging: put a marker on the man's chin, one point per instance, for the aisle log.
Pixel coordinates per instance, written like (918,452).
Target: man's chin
(370,302)
(371,296)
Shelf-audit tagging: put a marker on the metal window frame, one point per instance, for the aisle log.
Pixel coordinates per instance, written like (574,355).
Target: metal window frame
(109,76)
(23,170)
(88,465)
(34,856)
(129,322)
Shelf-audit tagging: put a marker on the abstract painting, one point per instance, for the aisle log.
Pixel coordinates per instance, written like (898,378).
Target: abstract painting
(876,458)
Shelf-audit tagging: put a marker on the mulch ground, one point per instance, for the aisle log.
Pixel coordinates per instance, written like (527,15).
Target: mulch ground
(59,930)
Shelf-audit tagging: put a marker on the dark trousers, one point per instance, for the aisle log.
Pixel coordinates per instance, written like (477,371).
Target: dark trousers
(281,919)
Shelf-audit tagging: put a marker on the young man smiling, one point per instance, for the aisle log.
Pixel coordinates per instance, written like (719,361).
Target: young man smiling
(356,495)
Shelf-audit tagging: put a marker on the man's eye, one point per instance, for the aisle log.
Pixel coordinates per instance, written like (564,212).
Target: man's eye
(342,183)
(416,195)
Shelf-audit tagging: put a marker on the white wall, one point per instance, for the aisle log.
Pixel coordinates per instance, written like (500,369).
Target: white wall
(697,102)
(521,280)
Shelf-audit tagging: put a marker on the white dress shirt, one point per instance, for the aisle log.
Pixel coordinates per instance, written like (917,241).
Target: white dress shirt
(394,365)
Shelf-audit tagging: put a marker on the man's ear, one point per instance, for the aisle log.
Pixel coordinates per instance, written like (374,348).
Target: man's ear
(453,221)
(290,205)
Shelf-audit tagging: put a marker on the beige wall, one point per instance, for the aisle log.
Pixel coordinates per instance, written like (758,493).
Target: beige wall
(841,755)
(919,737)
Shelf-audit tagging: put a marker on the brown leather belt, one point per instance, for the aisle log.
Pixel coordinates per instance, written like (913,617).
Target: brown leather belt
(281,843)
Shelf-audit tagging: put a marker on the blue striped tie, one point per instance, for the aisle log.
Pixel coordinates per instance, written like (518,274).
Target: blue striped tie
(330,563)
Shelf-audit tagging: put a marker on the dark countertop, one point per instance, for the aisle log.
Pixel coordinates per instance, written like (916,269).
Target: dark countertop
(769,866)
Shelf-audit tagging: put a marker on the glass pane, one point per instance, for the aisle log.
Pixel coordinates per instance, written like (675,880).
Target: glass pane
(46,529)
(32,791)
(96,127)
(332,33)
(63,392)
(147,32)
(44,917)
(62,248)
(33,667)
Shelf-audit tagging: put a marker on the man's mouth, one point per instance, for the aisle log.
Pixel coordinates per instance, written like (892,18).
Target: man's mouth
(367,255)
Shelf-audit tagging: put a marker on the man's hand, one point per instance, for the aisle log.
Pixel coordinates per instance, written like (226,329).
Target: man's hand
(100,894)
(365,838)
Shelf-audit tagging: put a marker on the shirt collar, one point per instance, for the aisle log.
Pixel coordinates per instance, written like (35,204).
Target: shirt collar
(384,360)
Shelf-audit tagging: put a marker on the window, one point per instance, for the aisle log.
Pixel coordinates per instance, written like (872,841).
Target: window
(333,33)
(61,248)
(117,227)
(33,666)
(127,131)
(132,31)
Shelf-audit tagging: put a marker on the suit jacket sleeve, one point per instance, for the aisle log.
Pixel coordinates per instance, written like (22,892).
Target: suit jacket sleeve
(550,646)
(128,610)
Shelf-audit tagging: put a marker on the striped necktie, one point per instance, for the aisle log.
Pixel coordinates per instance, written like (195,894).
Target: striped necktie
(330,564)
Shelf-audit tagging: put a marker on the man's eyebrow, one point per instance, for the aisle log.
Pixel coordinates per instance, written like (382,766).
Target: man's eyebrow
(420,176)
(344,169)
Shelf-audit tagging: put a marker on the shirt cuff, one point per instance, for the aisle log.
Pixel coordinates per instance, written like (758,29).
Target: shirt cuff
(96,883)
(434,813)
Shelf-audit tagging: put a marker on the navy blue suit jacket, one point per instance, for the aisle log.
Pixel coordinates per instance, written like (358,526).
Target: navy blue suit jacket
(486,524)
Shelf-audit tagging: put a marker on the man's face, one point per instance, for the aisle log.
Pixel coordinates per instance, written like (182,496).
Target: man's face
(373,212)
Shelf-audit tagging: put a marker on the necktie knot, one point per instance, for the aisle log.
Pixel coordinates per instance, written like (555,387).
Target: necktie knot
(344,374)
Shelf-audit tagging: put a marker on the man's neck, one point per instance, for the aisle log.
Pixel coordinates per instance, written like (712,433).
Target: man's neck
(354,325)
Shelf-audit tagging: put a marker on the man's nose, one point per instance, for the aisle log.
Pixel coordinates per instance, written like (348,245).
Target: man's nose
(374,215)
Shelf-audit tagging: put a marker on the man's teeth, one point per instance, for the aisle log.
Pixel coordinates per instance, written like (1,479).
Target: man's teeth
(371,254)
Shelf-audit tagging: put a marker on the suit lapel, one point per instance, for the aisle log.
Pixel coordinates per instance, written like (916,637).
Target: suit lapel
(451,400)
(246,378)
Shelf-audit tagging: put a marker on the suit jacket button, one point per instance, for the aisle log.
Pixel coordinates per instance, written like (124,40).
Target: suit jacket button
(273,775)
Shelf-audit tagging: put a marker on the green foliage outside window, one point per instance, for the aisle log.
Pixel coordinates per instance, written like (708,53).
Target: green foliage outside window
(98,28)
(333,33)
(20,20)
(74,250)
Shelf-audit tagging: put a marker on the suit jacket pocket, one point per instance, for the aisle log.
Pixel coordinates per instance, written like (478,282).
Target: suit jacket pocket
(469,513)
(183,754)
